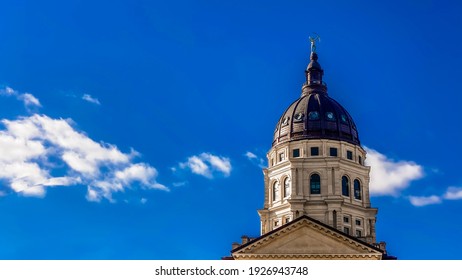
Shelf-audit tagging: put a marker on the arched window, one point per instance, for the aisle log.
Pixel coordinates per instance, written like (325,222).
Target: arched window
(357,189)
(286,187)
(276,191)
(345,186)
(315,184)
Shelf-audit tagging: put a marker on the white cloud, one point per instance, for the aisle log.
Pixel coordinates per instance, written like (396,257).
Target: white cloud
(250,155)
(62,181)
(140,172)
(14,149)
(92,195)
(207,165)
(179,184)
(27,98)
(33,148)
(8,91)
(79,164)
(256,160)
(218,163)
(453,193)
(24,177)
(424,200)
(91,99)
(388,177)
(197,166)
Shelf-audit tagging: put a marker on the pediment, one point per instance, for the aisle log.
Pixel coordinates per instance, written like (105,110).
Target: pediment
(306,238)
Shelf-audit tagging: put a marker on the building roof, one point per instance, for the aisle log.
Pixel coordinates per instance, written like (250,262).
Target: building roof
(315,115)
(318,224)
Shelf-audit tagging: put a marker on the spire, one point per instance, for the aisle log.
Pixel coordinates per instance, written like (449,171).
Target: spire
(314,71)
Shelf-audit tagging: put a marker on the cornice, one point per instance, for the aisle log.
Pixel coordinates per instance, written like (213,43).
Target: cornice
(239,256)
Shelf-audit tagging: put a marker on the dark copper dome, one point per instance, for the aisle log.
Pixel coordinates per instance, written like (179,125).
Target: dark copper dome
(315,115)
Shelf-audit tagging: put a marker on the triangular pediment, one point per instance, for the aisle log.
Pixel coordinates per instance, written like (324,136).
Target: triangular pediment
(306,238)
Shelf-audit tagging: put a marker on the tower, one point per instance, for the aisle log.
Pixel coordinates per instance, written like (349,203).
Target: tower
(316,165)
(316,186)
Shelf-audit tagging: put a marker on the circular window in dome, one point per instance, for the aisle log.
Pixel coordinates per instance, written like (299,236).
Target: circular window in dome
(330,116)
(285,121)
(314,115)
(343,118)
(299,117)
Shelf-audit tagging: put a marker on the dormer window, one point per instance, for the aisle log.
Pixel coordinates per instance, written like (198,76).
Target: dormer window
(299,117)
(314,115)
(330,116)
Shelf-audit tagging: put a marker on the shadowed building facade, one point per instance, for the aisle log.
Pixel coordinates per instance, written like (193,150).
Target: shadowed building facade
(316,198)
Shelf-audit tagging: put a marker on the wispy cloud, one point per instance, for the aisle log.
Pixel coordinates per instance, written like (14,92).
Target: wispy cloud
(207,164)
(179,184)
(91,99)
(28,99)
(256,160)
(389,177)
(424,200)
(33,148)
(250,155)
(453,193)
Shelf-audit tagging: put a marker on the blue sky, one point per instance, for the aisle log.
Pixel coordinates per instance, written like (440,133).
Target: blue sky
(137,129)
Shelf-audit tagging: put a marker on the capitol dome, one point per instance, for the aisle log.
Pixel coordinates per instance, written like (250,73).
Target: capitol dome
(315,115)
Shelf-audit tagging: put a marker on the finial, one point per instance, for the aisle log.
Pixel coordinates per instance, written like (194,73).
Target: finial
(313,40)
(314,71)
